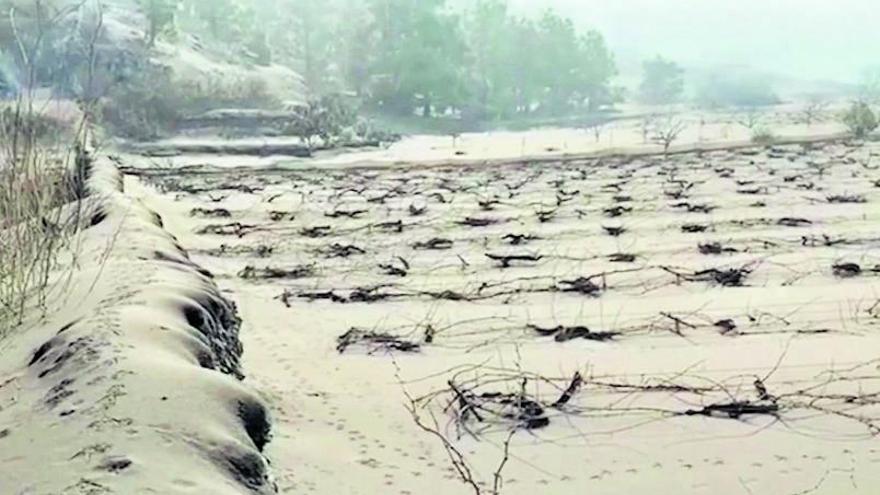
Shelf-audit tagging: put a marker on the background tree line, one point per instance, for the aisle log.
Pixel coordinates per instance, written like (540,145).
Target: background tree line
(478,62)
(407,57)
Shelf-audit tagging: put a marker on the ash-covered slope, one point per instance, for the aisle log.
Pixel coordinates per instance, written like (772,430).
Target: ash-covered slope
(88,49)
(130,384)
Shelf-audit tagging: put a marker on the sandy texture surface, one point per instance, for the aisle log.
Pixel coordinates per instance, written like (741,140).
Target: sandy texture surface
(128,384)
(719,309)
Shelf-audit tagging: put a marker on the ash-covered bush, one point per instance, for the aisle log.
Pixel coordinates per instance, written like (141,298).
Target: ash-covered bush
(323,118)
(860,119)
(731,90)
(763,135)
(36,182)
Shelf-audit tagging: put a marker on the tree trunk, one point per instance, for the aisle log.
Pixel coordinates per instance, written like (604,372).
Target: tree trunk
(152,34)
(592,103)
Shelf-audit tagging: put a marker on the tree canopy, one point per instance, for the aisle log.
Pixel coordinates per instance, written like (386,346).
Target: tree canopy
(412,57)
(736,90)
(423,57)
(662,81)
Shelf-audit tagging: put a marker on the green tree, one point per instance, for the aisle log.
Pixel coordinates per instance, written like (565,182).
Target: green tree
(160,15)
(316,43)
(523,64)
(525,86)
(599,68)
(353,40)
(558,70)
(239,23)
(662,81)
(420,56)
(488,28)
(219,17)
(737,90)
(330,42)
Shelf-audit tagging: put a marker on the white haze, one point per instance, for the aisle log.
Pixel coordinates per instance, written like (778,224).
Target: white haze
(804,39)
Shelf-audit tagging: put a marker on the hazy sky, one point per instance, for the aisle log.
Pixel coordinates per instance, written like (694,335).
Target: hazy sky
(813,39)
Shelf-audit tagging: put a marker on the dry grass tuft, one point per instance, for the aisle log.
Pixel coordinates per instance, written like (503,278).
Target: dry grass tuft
(35,227)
